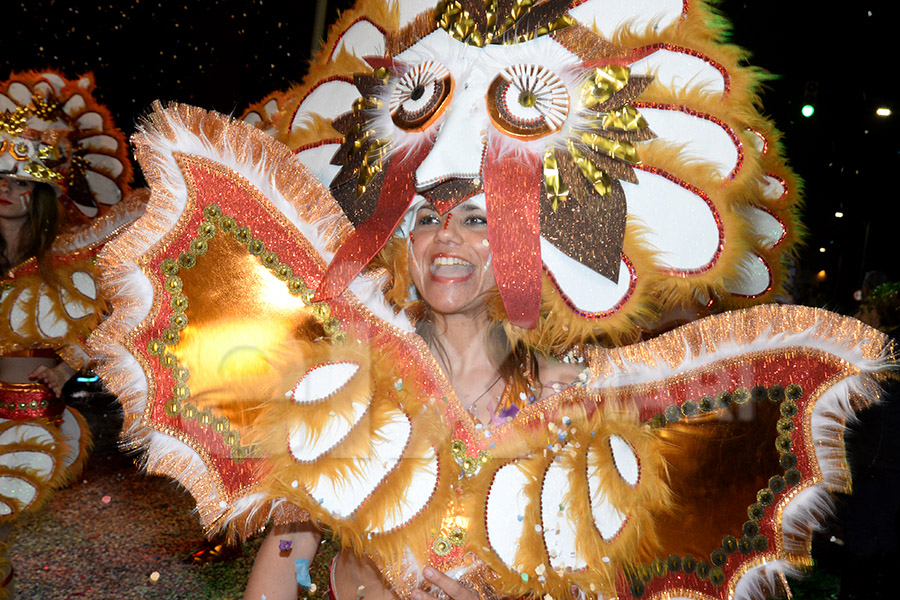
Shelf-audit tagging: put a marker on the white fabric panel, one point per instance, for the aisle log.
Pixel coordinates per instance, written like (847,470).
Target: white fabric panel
(20,93)
(74,308)
(100,142)
(18,314)
(34,433)
(103,188)
(410,9)
(90,122)
(329,100)
(559,531)
(21,490)
(678,70)
(505,512)
(50,324)
(773,189)
(253,118)
(414,498)
(755,277)
(322,381)
(362,39)
(587,289)
(341,498)
(681,224)
(71,431)
(607,518)
(109,164)
(307,446)
(765,225)
(40,464)
(74,105)
(625,460)
(701,138)
(457,151)
(85,284)
(7,105)
(318,161)
(609,15)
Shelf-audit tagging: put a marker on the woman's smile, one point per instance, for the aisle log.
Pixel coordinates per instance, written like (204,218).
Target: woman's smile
(448,269)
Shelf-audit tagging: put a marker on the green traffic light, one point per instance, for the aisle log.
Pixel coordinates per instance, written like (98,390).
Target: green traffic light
(807,110)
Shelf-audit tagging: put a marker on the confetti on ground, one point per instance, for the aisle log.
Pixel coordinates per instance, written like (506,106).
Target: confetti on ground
(79,548)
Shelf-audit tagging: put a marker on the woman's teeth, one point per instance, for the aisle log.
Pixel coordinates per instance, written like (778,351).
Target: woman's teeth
(450,261)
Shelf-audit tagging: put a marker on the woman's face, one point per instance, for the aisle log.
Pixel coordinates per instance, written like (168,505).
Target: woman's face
(15,197)
(450,258)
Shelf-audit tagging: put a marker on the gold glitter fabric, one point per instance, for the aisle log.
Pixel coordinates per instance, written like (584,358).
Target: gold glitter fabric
(680,466)
(53,130)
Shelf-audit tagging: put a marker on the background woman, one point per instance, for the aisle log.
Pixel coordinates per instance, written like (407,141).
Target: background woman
(63,170)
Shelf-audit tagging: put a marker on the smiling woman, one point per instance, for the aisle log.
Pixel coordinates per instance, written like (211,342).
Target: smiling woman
(450,259)
(465,201)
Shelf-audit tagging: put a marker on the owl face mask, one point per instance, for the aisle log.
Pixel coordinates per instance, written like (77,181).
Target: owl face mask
(620,157)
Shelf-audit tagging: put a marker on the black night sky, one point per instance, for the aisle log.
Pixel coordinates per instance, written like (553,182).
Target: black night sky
(225,54)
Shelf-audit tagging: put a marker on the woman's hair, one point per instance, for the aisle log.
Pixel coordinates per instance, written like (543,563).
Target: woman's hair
(514,361)
(40,229)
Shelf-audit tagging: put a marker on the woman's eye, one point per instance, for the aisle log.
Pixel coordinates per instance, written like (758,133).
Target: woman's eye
(476,220)
(420,96)
(430,219)
(527,101)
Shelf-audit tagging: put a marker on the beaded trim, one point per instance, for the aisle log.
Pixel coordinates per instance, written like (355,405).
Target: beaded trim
(215,222)
(750,540)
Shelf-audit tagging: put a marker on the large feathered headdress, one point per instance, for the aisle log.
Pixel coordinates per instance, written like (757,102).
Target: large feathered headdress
(622,159)
(54,131)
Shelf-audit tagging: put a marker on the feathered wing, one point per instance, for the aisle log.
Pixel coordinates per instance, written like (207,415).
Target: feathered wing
(750,408)
(695,465)
(263,402)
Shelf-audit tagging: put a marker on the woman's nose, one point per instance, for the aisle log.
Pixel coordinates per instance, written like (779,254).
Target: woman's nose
(449,231)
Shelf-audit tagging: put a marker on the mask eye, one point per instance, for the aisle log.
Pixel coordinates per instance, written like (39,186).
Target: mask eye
(527,102)
(419,97)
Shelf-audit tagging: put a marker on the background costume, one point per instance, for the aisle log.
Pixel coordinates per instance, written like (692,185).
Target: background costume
(625,170)
(53,131)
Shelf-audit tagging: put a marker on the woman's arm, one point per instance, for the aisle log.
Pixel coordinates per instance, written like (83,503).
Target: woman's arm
(274,574)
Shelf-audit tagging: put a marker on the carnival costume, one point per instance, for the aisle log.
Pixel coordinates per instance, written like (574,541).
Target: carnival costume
(53,131)
(262,336)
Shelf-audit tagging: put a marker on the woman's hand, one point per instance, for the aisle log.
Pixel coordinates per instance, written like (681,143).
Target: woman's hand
(53,377)
(454,589)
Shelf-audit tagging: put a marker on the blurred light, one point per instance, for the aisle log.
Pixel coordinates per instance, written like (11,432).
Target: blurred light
(87,378)
(883,112)
(807,110)
(821,275)
(822,249)
(839,215)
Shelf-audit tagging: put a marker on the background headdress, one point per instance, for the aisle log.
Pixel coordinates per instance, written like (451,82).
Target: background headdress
(53,130)
(626,166)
